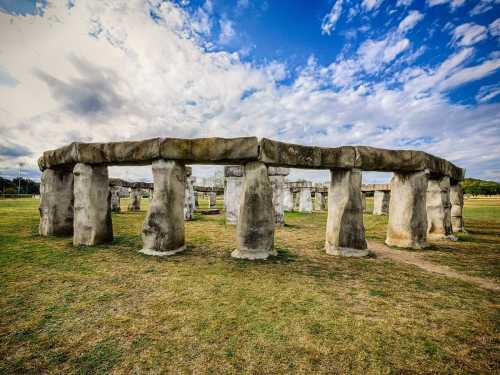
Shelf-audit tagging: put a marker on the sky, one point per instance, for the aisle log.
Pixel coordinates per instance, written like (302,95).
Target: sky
(395,74)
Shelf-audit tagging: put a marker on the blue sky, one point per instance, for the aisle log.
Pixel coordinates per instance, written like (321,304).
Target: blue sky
(395,74)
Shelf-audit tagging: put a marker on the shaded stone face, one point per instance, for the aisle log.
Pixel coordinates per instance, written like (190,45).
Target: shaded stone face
(277,184)
(233,191)
(439,209)
(134,203)
(319,201)
(92,221)
(189,199)
(407,225)
(56,203)
(381,202)
(255,230)
(212,199)
(345,232)
(163,230)
(363,202)
(457,204)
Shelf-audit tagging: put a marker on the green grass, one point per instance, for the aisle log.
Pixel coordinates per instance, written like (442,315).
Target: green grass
(109,309)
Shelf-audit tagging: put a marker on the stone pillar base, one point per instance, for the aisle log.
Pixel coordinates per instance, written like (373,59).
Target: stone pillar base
(162,253)
(253,254)
(347,252)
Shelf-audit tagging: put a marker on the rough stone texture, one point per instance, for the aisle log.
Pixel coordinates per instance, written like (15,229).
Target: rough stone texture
(277,184)
(115,198)
(212,199)
(233,191)
(287,199)
(210,150)
(407,225)
(457,204)
(305,200)
(233,171)
(381,202)
(439,209)
(119,153)
(92,222)
(66,156)
(189,199)
(296,201)
(134,203)
(56,203)
(255,230)
(375,187)
(345,232)
(292,155)
(163,230)
(319,201)
(363,202)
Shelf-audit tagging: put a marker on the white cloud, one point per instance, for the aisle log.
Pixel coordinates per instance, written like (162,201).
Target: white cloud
(483,6)
(371,4)
(410,21)
(494,27)
(331,19)
(468,34)
(453,3)
(487,93)
(227,32)
(153,79)
(404,3)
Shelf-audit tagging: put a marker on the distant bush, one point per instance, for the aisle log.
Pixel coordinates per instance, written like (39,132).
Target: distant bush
(475,186)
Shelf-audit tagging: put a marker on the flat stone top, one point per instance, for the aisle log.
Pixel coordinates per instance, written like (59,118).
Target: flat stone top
(241,150)
(208,189)
(129,184)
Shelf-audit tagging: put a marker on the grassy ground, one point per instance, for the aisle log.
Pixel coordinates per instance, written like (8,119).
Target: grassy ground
(109,309)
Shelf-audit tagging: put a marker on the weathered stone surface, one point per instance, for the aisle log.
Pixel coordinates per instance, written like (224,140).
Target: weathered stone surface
(115,199)
(439,209)
(277,184)
(255,230)
(381,202)
(56,203)
(375,187)
(163,230)
(377,159)
(210,150)
(92,222)
(189,198)
(287,199)
(278,171)
(292,155)
(305,200)
(457,204)
(345,232)
(407,225)
(119,153)
(134,203)
(233,191)
(319,201)
(233,171)
(296,201)
(212,199)
(66,156)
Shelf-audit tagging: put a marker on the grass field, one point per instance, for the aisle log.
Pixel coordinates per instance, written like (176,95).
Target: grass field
(108,309)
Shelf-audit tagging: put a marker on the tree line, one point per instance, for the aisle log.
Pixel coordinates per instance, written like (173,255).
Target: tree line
(19,186)
(475,186)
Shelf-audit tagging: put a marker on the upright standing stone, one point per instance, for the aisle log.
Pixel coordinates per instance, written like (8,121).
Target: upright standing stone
(277,178)
(134,203)
(363,201)
(92,222)
(196,201)
(212,199)
(56,203)
(407,225)
(163,230)
(189,199)
(255,230)
(381,202)
(457,204)
(439,209)
(319,201)
(345,232)
(115,198)
(296,200)
(305,199)
(287,198)
(233,189)
(150,194)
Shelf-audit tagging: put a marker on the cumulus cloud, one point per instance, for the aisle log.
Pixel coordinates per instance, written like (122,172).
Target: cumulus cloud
(468,34)
(410,21)
(331,19)
(82,75)
(404,3)
(371,4)
(453,3)
(227,32)
(483,6)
